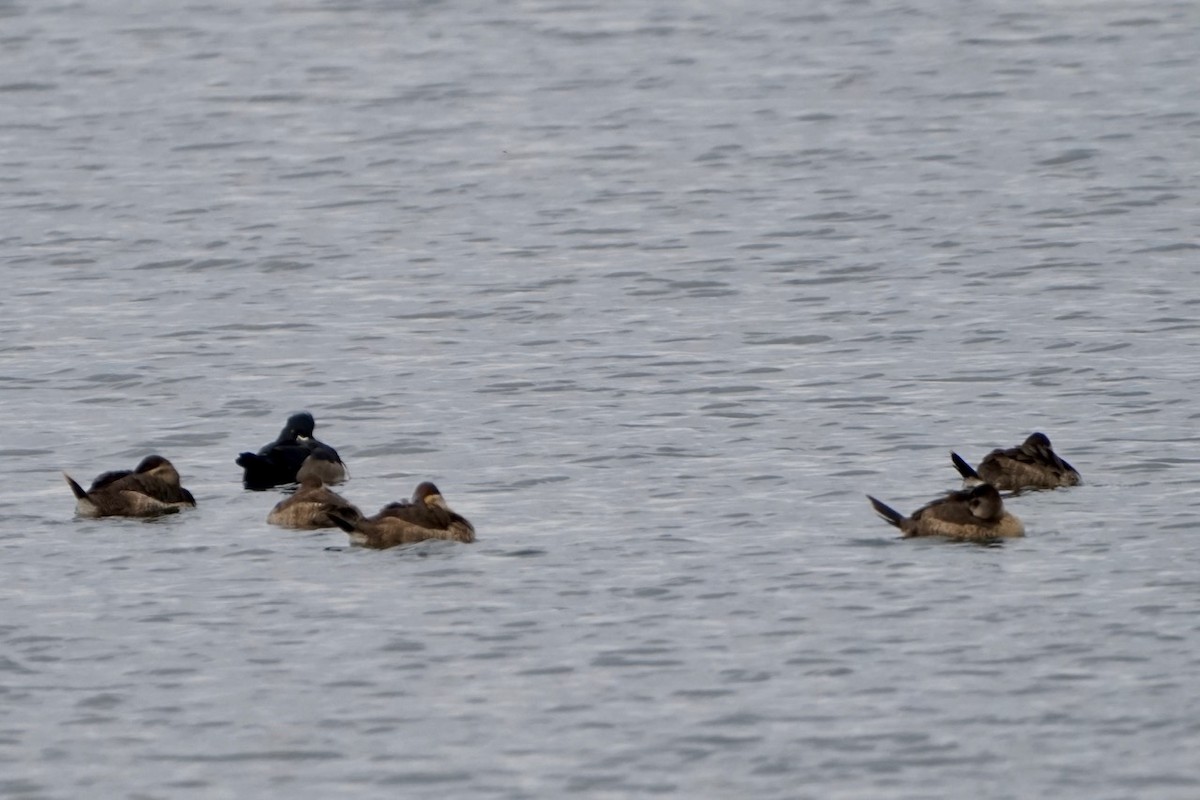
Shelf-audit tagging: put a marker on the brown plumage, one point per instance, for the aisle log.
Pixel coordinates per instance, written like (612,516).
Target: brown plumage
(975,515)
(324,465)
(426,517)
(1031,465)
(150,490)
(310,507)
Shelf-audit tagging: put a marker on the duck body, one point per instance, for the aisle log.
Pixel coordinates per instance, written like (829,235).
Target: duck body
(150,490)
(280,461)
(311,506)
(1031,465)
(975,515)
(322,464)
(426,516)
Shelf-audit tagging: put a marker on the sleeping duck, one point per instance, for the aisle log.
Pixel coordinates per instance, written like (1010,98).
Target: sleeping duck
(426,517)
(1031,465)
(974,515)
(313,503)
(149,490)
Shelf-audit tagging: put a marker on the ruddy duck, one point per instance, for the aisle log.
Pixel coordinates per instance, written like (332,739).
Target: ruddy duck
(279,461)
(322,464)
(973,515)
(150,490)
(311,506)
(426,517)
(1032,465)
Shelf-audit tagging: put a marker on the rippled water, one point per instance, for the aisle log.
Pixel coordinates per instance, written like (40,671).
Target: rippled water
(655,293)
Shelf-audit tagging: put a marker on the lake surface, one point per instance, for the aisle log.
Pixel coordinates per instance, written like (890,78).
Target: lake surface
(655,293)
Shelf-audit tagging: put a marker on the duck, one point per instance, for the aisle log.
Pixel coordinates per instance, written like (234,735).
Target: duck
(151,489)
(323,464)
(313,503)
(426,516)
(972,515)
(1031,465)
(279,462)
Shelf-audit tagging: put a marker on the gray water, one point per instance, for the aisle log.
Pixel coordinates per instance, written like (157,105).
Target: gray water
(655,293)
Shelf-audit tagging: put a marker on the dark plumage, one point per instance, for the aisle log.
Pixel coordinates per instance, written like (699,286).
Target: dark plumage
(426,517)
(975,514)
(150,490)
(280,461)
(1031,465)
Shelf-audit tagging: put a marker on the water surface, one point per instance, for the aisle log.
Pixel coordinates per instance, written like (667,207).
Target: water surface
(655,295)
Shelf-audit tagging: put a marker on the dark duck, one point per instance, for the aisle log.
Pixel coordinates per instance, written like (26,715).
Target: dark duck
(280,461)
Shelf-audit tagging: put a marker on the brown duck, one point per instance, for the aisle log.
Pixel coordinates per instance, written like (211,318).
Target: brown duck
(150,490)
(313,503)
(426,517)
(1031,465)
(975,515)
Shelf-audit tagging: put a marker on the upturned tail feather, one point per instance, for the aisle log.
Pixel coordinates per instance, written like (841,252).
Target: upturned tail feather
(347,525)
(964,469)
(247,460)
(889,514)
(80,494)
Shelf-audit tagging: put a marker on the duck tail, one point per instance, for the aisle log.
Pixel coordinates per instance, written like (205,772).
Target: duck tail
(348,525)
(889,514)
(259,472)
(80,494)
(247,460)
(967,472)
